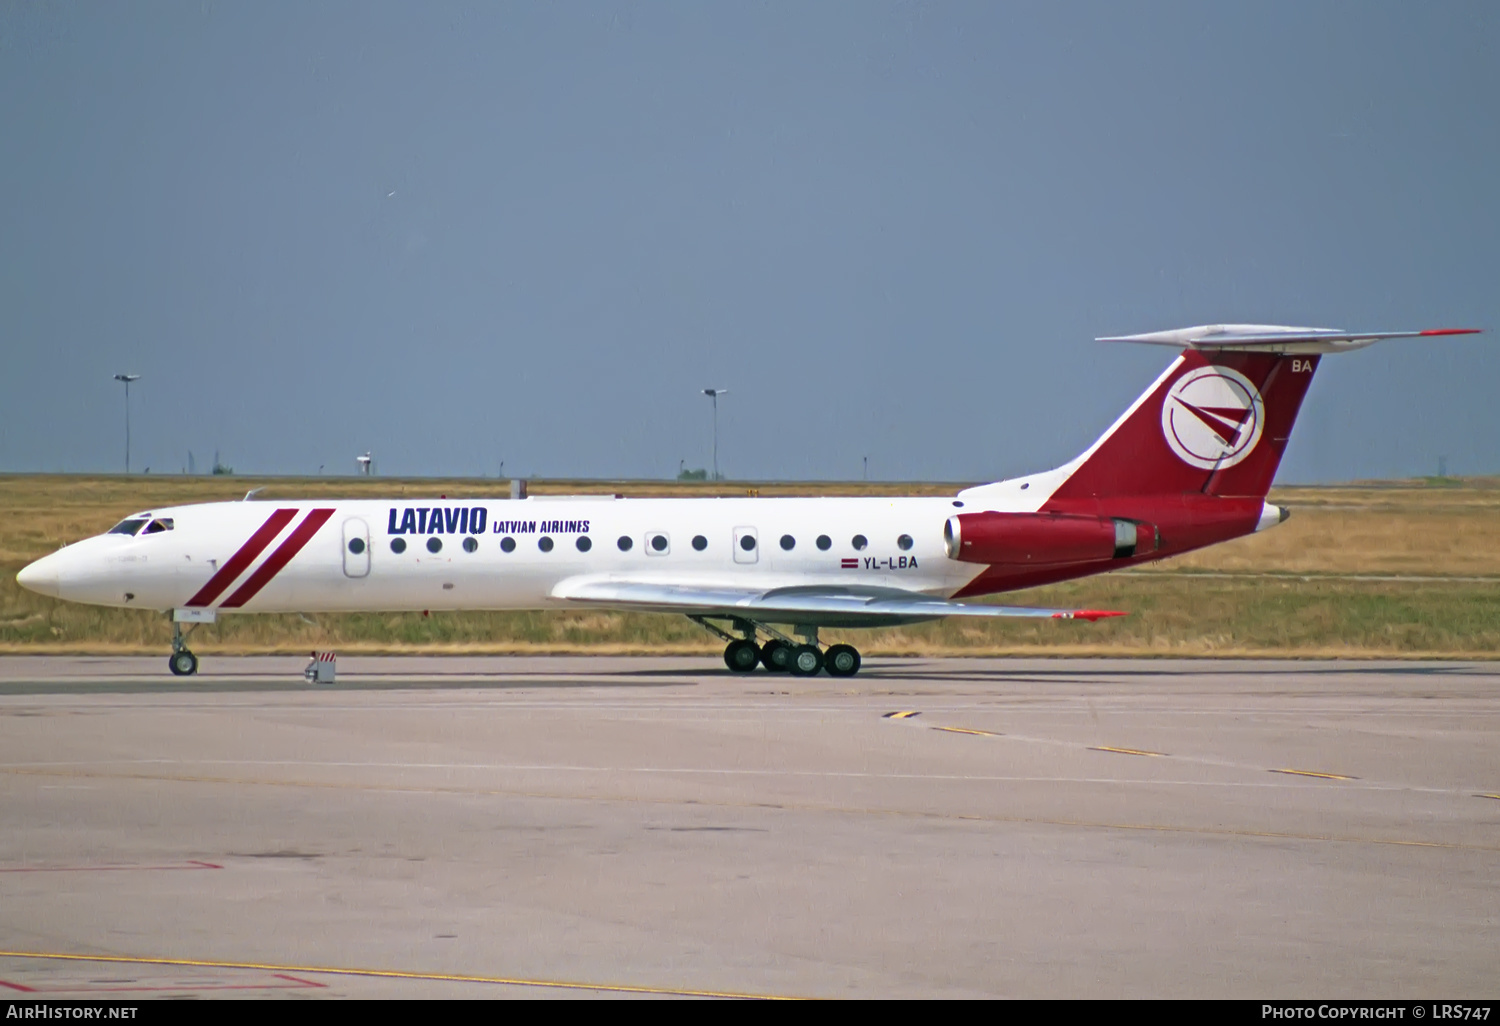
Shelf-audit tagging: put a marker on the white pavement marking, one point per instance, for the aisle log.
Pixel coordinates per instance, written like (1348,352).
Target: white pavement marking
(1351,784)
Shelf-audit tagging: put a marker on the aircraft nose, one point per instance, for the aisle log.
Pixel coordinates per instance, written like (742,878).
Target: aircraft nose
(40,577)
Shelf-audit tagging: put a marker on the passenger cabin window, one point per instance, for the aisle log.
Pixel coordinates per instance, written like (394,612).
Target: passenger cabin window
(544,543)
(507,544)
(127,527)
(824,542)
(434,545)
(583,543)
(788,543)
(859,541)
(699,542)
(158,526)
(398,545)
(904,542)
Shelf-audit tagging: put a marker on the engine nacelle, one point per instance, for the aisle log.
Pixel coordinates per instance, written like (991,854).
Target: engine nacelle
(1044,539)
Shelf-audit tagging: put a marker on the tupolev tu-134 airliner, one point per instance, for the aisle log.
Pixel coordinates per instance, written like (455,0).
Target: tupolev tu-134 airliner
(1189,464)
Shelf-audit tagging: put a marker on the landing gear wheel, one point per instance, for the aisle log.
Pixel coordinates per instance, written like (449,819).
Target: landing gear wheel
(806,661)
(776,655)
(841,661)
(742,656)
(183,664)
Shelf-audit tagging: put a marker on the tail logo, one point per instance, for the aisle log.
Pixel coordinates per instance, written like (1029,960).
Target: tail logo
(1212,418)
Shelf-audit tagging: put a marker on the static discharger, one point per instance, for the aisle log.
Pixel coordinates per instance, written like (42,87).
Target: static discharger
(1314,773)
(1123,751)
(903,715)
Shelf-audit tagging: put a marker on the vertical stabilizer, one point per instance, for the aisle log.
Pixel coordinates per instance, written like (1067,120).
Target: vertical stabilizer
(1216,423)
(1187,465)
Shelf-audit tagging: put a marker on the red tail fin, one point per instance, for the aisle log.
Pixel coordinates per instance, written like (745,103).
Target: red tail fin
(1188,465)
(1215,423)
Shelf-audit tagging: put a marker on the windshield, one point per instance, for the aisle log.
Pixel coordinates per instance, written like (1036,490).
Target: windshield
(157,526)
(127,527)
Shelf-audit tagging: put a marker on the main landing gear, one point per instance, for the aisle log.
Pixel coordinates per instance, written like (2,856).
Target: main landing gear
(781,654)
(182,662)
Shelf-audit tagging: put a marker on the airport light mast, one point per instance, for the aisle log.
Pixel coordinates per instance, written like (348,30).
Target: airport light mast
(127,378)
(714,393)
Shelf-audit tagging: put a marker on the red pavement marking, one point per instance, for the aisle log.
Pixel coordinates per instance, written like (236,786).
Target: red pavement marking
(16,986)
(88,989)
(294,979)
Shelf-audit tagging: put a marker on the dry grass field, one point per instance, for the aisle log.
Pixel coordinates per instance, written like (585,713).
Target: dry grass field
(1388,569)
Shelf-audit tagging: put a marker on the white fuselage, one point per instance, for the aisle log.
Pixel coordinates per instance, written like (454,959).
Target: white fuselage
(458,558)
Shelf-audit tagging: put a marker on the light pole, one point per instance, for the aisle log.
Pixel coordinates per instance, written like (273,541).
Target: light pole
(714,393)
(127,378)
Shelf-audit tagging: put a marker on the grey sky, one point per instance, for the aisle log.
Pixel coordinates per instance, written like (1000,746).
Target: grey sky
(460,233)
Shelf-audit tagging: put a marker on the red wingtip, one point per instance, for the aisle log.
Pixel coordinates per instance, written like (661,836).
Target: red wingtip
(1453,331)
(1086,614)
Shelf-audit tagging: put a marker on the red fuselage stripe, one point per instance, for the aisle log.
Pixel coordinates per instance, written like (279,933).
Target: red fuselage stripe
(281,557)
(243,558)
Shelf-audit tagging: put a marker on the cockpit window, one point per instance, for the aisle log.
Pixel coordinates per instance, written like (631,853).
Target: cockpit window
(158,525)
(127,527)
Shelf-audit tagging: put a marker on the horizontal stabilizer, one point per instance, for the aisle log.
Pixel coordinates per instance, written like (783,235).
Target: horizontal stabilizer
(1274,338)
(830,605)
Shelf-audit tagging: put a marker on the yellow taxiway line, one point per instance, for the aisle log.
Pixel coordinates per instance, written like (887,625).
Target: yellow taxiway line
(395,974)
(1313,773)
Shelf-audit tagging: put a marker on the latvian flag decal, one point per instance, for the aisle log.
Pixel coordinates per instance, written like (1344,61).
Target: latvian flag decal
(850,563)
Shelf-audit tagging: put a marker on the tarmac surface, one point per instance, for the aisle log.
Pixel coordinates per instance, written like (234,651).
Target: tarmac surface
(496,827)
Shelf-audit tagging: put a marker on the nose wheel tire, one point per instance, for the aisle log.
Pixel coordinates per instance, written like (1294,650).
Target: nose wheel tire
(742,656)
(841,661)
(183,664)
(775,656)
(806,661)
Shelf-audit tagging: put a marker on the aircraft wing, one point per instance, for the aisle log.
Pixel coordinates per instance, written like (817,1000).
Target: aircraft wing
(826,605)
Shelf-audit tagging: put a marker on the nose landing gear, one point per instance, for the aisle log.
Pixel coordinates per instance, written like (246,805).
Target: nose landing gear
(182,662)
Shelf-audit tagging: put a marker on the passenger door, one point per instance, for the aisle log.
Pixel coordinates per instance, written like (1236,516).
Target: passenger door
(356,548)
(746,545)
